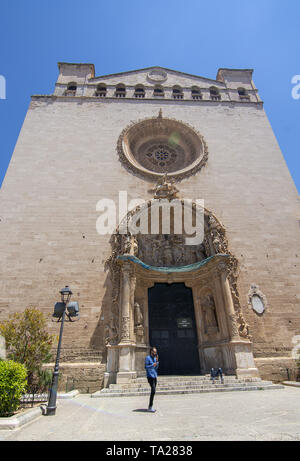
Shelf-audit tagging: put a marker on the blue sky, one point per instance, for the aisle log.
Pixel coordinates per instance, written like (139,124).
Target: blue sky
(194,36)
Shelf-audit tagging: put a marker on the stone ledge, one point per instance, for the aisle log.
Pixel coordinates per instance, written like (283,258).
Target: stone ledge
(13,422)
(68,395)
(16,421)
(291,383)
(158,100)
(75,365)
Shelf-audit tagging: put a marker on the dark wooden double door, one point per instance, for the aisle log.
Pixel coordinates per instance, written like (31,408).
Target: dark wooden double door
(172,328)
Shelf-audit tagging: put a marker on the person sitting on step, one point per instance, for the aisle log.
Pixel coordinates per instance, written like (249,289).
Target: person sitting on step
(214,373)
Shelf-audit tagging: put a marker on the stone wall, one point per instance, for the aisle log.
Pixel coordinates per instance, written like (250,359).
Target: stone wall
(66,160)
(278,369)
(85,377)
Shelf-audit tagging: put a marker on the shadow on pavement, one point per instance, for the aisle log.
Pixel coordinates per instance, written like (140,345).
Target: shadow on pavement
(141,410)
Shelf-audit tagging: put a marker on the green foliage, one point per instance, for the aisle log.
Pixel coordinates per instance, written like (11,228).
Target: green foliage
(41,381)
(12,385)
(28,342)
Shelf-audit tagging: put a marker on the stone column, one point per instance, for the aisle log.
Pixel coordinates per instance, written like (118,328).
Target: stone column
(221,314)
(146,284)
(200,332)
(132,282)
(239,352)
(125,303)
(231,317)
(126,345)
(111,365)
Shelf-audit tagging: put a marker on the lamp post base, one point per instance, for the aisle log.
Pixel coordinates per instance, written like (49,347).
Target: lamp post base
(50,411)
(51,407)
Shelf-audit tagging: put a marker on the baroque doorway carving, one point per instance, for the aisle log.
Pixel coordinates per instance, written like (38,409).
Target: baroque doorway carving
(138,261)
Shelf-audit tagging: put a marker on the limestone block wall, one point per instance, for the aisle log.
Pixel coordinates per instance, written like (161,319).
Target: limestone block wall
(65,161)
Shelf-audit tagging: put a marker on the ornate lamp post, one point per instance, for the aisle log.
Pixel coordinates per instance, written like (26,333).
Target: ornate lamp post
(60,313)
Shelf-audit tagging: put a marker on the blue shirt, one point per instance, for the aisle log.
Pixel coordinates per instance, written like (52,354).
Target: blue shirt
(149,366)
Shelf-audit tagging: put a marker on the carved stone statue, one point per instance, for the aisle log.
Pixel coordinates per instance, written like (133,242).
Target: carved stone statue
(138,323)
(243,327)
(165,189)
(127,244)
(130,244)
(209,310)
(133,246)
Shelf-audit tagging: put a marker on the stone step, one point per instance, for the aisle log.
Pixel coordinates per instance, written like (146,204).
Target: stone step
(193,378)
(213,388)
(190,381)
(181,383)
(122,388)
(170,387)
(186,383)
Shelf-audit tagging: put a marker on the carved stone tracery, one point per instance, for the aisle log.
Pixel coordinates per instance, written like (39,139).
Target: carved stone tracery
(152,147)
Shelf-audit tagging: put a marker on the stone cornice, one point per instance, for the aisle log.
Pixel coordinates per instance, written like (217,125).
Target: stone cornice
(229,102)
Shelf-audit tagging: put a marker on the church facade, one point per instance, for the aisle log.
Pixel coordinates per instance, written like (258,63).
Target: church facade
(163,200)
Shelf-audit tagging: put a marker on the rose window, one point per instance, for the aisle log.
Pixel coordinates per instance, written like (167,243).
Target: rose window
(159,145)
(161,156)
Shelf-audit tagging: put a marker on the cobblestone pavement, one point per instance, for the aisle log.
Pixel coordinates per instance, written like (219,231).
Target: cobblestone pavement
(249,415)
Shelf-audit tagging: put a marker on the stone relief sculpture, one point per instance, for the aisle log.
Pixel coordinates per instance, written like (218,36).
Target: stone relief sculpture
(217,236)
(111,332)
(125,329)
(170,250)
(199,253)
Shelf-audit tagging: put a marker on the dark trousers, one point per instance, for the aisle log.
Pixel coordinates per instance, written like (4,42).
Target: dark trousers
(215,372)
(152,382)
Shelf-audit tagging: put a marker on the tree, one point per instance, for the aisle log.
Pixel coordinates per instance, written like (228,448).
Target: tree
(28,342)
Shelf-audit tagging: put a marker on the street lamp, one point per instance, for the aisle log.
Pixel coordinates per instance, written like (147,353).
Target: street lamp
(66,294)
(60,313)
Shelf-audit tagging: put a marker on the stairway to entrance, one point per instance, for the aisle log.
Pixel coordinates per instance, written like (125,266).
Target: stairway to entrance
(185,385)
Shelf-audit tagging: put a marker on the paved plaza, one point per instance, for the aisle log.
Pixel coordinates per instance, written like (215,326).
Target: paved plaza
(228,416)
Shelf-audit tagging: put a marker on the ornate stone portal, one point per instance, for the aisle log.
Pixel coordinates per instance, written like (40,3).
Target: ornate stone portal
(209,269)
